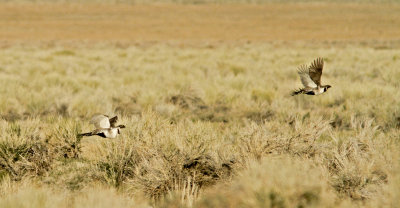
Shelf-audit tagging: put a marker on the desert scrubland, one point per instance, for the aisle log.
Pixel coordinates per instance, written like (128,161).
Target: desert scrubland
(204,90)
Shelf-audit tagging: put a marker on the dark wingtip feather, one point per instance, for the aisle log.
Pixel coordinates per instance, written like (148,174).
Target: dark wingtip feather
(318,62)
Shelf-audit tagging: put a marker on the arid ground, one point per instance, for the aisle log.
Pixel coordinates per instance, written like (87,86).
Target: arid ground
(205,22)
(204,90)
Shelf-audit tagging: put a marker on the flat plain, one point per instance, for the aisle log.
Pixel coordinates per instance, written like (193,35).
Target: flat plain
(204,22)
(204,90)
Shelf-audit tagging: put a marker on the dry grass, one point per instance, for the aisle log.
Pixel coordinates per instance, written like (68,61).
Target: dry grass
(200,120)
(208,125)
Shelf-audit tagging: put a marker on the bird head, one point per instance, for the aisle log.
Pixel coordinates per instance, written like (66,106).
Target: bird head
(326,87)
(120,127)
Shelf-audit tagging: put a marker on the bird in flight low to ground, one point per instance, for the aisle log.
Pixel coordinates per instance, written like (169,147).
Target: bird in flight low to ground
(105,127)
(311,78)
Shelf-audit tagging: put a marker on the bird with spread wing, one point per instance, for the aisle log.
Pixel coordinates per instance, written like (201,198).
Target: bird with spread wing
(105,127)
(311,78)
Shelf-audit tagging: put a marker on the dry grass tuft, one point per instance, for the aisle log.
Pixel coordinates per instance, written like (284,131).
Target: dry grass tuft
(270,183)
(23,153)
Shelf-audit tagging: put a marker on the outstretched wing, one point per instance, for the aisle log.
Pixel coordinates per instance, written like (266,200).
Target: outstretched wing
(113,121)
(100,121)
(315,70)
(305,77)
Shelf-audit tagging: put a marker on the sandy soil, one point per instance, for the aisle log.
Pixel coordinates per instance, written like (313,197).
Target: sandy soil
(170,22)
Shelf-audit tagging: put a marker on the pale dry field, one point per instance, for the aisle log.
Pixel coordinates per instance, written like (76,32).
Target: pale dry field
(199,23)
(210,120)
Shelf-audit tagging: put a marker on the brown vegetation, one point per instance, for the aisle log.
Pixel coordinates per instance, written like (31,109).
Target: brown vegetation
(211,126)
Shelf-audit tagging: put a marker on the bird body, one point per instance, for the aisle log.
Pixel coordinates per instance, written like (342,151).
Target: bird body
(311,78)
(111,133)
(105,127)
(311,91)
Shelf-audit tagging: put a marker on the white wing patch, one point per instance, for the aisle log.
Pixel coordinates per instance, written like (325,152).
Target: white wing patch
(305,77)
(100,122)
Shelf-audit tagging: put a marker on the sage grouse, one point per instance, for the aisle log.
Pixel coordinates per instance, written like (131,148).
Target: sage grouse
(311,78)
(105,127)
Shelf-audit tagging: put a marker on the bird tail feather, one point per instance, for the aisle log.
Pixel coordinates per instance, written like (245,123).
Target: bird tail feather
(85,134)
(296,92)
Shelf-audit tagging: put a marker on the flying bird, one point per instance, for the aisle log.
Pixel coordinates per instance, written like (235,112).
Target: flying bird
(311,78)
(105,127)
